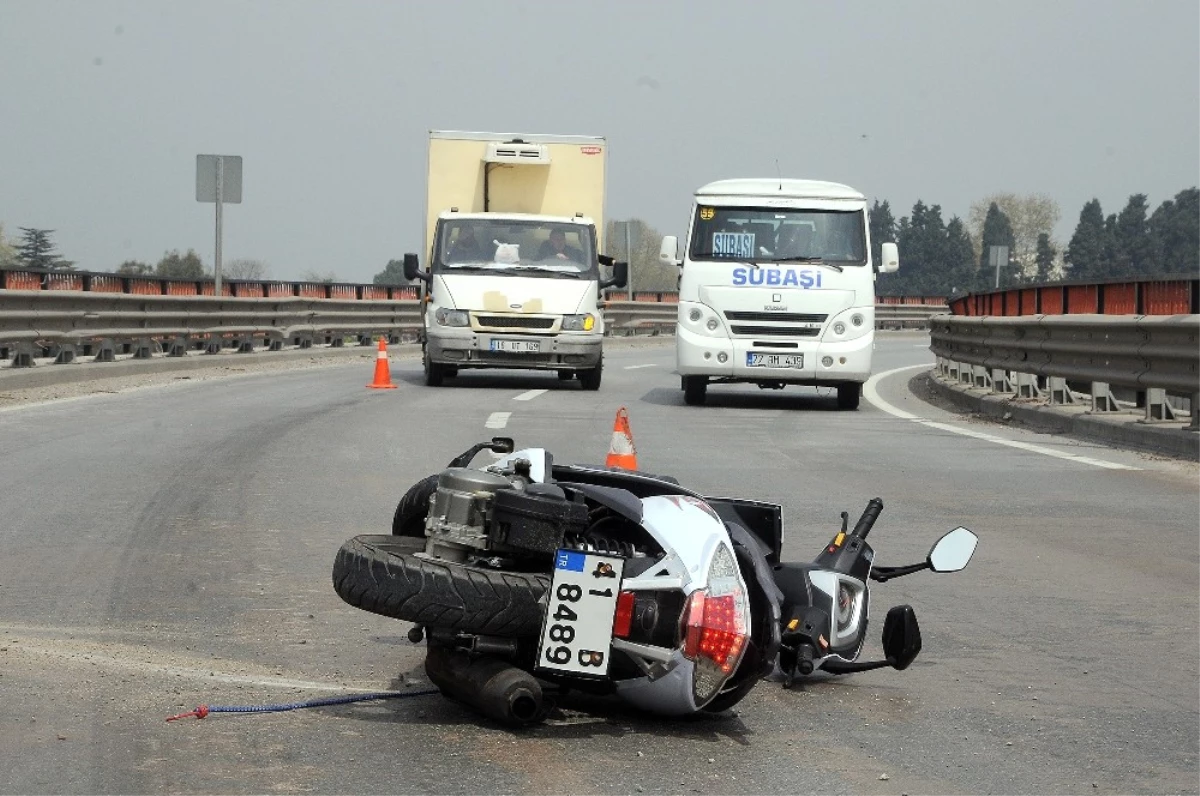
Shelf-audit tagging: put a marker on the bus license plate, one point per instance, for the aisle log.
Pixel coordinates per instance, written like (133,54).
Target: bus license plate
(518,346)
(756,360)
(577,630)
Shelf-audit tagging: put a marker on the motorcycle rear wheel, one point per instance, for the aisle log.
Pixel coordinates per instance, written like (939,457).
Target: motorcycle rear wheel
(383,575)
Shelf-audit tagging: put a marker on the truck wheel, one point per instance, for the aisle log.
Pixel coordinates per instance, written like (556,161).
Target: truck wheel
(434,372)
(566,375)
(409,519)
(382,574)
(849,394)
(590,379)
(695,389)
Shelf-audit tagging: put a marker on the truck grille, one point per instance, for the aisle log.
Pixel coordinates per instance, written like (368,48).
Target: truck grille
(514,321)
(775,331)
(781,317)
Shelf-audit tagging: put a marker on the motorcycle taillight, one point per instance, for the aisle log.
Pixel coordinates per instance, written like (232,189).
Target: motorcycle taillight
(716,624)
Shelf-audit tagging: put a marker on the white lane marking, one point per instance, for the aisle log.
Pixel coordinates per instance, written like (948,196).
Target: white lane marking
(872,395)
(529,396)
(497,420)
(638,367)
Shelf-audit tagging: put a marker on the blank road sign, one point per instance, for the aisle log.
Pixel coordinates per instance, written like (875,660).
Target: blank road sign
(206,178)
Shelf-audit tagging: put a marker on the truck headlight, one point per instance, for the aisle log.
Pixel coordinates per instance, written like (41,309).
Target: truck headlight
(448,317)
(578,323)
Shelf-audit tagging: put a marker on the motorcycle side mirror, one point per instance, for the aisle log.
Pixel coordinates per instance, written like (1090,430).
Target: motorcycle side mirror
(953,551)
(901,636)
(503,445)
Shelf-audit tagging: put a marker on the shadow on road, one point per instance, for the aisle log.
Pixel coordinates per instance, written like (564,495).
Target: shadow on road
(791,398)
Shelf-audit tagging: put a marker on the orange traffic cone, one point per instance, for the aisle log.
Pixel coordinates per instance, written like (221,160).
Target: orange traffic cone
(621,452)
(383,377)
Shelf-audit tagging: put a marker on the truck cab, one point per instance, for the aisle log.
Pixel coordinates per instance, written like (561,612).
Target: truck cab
(514,275)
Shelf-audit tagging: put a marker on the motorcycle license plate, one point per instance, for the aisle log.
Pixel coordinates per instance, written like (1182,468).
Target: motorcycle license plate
(517,346)
(757,360)
(577,630)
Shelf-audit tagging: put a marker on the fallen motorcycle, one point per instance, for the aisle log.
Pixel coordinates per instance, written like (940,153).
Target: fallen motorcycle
(526,575)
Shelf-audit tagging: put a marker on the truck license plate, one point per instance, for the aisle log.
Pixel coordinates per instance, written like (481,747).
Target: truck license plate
(757,360)
(577,630)
(519,346)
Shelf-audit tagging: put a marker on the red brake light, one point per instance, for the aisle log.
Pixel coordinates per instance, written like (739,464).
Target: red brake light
(714,629)
(623,619)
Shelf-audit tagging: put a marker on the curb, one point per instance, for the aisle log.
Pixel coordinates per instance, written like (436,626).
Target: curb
(1121,429)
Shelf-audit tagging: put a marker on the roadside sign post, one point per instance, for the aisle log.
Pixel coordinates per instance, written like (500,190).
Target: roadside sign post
(997,257)
(218,180)
(629,259)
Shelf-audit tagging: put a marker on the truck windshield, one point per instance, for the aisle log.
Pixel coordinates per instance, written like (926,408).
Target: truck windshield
(516,248)
(756,234)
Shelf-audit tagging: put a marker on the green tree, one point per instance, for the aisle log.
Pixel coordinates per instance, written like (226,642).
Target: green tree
(1030,216)
(243,268)
(36,250)
(1086,251)
(134,268)
(960,260)
(1174,230)
(882,227)
(646,272)
(181,266)
(8,255)
(1131,239)
(997,231)
(926,255)
(392,274)
(1045,257)
(329,277)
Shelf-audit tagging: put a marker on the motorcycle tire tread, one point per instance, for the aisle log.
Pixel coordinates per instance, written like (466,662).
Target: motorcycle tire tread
(409,519)
(382,575)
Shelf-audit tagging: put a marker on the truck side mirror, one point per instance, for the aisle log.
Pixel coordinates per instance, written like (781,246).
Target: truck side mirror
(412,269)
(669,251)
(889,259)
(620,275)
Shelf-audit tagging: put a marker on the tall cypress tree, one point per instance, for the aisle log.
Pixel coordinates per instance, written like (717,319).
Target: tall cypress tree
(1045,257)
(1086,251)
(882,227)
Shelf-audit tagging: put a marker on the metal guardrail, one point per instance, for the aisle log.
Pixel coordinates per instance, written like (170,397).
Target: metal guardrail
(1160,295)
(64,314)
(1141,360)
(102,324)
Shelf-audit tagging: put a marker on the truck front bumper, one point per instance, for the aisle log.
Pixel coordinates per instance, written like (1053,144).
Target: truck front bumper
(725,359)
(466,348)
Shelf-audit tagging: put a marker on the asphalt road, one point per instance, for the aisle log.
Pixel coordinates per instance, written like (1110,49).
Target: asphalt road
(171,546)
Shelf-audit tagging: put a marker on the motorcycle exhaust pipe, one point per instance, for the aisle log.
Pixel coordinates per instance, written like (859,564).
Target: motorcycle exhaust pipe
(496,689)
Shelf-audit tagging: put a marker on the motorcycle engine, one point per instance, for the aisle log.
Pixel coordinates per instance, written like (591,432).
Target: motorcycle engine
(481,514)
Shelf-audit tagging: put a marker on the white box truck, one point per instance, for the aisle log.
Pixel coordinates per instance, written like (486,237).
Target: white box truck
(514,229)
(777,287)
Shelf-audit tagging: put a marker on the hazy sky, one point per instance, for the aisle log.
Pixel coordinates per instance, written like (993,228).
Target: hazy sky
(104,106)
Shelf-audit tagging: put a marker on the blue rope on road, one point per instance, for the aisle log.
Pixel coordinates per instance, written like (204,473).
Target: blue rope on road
(203,710)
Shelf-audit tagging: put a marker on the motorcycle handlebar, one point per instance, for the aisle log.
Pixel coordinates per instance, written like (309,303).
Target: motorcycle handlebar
(869,515)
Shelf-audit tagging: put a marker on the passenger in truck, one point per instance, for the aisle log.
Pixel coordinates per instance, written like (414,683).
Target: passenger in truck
(556,248)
